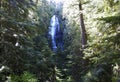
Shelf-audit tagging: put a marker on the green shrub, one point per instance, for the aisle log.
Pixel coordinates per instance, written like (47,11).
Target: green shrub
(25,77)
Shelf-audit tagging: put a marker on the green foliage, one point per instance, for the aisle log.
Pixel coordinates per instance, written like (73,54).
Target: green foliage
(114,20)
(104,45)
(24,45)
(16,33)
(102,22)
(4,72)
(99,73)
(23,40)
(25,77)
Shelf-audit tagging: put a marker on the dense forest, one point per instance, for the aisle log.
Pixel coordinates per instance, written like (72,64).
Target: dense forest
(88,49)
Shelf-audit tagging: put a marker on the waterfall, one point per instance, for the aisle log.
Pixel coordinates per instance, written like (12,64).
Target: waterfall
(54,28)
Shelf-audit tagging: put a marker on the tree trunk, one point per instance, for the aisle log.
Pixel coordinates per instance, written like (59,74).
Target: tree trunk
(82,26)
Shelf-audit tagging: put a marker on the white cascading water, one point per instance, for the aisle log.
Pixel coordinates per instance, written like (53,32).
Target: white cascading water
(54,27)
